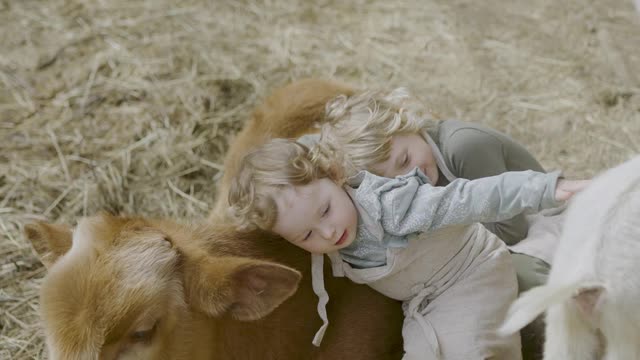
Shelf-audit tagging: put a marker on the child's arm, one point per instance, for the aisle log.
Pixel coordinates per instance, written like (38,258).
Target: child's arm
(413,206)
(475,151)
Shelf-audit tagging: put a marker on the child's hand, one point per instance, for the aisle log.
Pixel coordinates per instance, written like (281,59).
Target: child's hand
(566,188)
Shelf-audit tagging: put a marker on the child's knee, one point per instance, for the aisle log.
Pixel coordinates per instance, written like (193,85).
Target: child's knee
(530,271)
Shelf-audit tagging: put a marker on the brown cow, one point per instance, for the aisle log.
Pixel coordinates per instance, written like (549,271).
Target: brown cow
(135,288)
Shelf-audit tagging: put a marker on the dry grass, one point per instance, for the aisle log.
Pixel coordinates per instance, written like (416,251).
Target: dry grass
(129,105)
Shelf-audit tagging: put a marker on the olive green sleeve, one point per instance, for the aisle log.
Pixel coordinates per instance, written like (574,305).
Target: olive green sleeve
(473,151)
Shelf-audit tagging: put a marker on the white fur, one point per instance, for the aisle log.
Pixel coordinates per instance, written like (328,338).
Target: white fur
(599,249)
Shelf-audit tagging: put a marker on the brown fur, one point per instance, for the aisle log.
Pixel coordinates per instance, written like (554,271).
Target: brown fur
(135,288)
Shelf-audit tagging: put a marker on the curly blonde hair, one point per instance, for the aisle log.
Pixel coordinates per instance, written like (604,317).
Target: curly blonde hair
(273,166)
(362,125)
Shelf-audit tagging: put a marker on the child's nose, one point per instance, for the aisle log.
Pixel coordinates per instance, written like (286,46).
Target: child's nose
(328,232)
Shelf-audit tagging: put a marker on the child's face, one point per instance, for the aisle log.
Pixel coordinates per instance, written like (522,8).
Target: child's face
(318,217)
(407,152)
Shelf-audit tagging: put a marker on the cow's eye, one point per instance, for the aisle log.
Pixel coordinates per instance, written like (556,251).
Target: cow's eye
(144,335)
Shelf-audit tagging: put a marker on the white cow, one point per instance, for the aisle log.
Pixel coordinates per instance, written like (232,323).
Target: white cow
(592,296)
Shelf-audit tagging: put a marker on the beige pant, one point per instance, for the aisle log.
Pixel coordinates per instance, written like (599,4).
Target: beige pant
(459,322)
(457,284)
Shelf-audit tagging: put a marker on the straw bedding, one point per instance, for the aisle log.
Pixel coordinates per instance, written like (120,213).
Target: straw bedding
(130,105)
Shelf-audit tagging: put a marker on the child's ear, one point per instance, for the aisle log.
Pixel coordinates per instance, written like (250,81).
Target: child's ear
(50,241)
(341,175)
(246,288)
(336,172)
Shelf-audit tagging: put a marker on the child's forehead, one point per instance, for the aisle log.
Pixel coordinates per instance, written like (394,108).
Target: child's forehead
(296,207)
(289,196)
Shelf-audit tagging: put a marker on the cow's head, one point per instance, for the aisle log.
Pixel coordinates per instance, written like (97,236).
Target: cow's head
(121,288)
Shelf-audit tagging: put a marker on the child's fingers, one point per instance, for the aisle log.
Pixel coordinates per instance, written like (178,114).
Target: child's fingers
(566,188)
(562,195)
(575,185)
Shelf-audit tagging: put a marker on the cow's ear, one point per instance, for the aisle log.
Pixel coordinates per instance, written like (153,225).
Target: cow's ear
(247,289)
(50,241)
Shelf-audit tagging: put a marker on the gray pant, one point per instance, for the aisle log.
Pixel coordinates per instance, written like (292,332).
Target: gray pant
(531,271)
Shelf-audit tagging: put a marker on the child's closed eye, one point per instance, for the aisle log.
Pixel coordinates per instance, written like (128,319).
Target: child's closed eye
(326,210)
(406,161)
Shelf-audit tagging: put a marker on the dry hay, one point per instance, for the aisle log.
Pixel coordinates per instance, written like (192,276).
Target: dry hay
(129,105)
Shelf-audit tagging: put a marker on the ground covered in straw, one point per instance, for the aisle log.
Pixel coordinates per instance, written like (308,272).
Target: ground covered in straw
(129,105)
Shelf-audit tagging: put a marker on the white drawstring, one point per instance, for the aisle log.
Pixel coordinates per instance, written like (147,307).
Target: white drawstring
(317,281)
(413,310)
